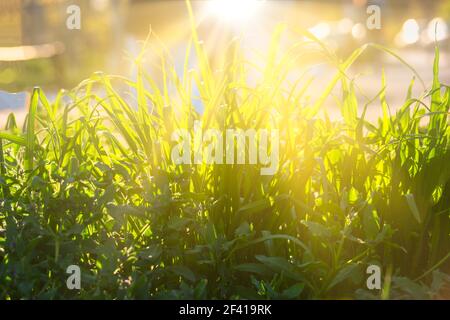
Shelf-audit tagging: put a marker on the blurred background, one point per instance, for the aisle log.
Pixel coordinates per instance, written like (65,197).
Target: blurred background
(37,49)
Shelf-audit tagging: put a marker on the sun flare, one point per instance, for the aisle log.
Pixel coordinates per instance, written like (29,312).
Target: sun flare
(234,11)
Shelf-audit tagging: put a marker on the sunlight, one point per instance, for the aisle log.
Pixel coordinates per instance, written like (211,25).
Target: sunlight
(234,11)
(410,32)
(321,30)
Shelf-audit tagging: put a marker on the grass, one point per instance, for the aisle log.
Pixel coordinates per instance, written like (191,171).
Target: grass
(89,181)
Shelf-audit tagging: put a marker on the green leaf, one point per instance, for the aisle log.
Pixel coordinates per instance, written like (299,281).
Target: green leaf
(413,207)
(294,291)
(30,135)
(151,253)
(317,229)
(256,206)
(200,291)
(179,223)
(370,222)
(280,264)
(184,272)
(257,268)
(242,230)
(346,272)
(21,141)
(415,290)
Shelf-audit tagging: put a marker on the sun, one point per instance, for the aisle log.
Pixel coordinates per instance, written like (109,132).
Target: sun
(233,11)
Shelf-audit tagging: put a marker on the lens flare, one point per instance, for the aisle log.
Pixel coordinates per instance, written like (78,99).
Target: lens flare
(437,29)
(233,10)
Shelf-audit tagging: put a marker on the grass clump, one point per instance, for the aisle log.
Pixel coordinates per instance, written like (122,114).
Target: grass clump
(89,181)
